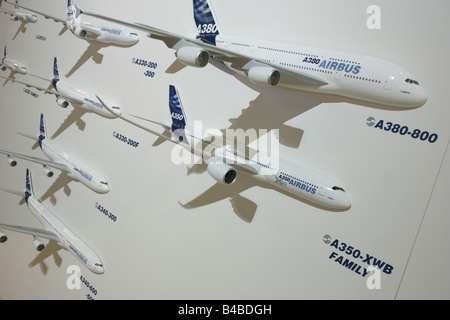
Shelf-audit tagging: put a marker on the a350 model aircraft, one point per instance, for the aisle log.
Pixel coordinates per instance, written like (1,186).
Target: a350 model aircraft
(224,162)
(66,94)
(63,161)
(16,15)
(12,65)
(89,31)
(54,230)
(296,67)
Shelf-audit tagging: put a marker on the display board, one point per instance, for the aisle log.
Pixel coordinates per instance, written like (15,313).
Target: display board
(167,231)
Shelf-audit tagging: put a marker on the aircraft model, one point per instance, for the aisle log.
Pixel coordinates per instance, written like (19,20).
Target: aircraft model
(269,63)
(224,162)
(88,31)
(12,65)
(66,94)
(55,230)
(16,15)
(63,161)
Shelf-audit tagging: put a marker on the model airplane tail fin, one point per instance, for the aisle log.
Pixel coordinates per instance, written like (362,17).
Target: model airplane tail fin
(177,114)
(73,11)
(42,131)
(207,27)
(56,77)
(29,186)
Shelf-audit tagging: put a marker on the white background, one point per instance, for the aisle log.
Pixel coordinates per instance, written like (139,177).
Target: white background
(157,249)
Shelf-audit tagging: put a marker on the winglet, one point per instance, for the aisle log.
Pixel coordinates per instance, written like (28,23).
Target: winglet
(4,52)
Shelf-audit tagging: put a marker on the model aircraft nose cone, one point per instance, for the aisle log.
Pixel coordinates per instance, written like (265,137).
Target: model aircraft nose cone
(421,97)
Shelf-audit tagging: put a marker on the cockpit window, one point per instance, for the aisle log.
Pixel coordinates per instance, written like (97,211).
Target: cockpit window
(412,81)
(103,182)
(338,188)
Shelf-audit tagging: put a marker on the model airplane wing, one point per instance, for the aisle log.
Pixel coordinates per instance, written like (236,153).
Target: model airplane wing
(45,15)
(31,231)
(52,164)
(32,85)
(7,11)
(239,61)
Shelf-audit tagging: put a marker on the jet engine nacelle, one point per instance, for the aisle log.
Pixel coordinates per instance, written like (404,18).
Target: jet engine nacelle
(193,56)
(80,32)
(12,162)
(63,103)
(3,68)
(264,75)
(3,237)
(38,244)
(48,172)
(223,173)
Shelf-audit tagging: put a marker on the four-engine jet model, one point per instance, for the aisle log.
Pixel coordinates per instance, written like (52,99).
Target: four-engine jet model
(66,94)
(16,15)
(85,30)
(289,66)
(55,230)
(223,163)
(61,160)
(12,65)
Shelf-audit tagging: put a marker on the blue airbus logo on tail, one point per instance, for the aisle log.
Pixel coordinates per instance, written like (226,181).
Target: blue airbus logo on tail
(177,115)
(55,73)
(204,19)
(42,131)
(29,190)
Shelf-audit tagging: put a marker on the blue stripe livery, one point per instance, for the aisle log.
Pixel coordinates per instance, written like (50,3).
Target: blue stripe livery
(177,115)
(55,73)
(204,19)
(28,185)
(42,131)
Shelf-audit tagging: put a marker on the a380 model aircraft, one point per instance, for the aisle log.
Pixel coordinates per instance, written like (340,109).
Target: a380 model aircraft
(224,162)
(16,15)
(89,31)
(63,161)
(66,94)
(12,65)
(296,67)
(55,230)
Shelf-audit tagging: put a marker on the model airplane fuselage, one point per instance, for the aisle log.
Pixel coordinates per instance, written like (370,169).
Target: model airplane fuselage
(350,75)
(56,230)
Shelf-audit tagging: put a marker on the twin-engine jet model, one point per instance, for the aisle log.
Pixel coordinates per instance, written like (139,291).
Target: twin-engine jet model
(269,63)
(66,94)
(54,230)
(16,15)
(14,66)
(224,162)
(88,31)
(62,161)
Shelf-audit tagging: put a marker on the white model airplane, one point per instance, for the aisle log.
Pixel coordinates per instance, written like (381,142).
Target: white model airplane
(12,65)
(224,162)
(16,15)
(89,31)
(66,94)
(54,230)
(290,66)
(63,161)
